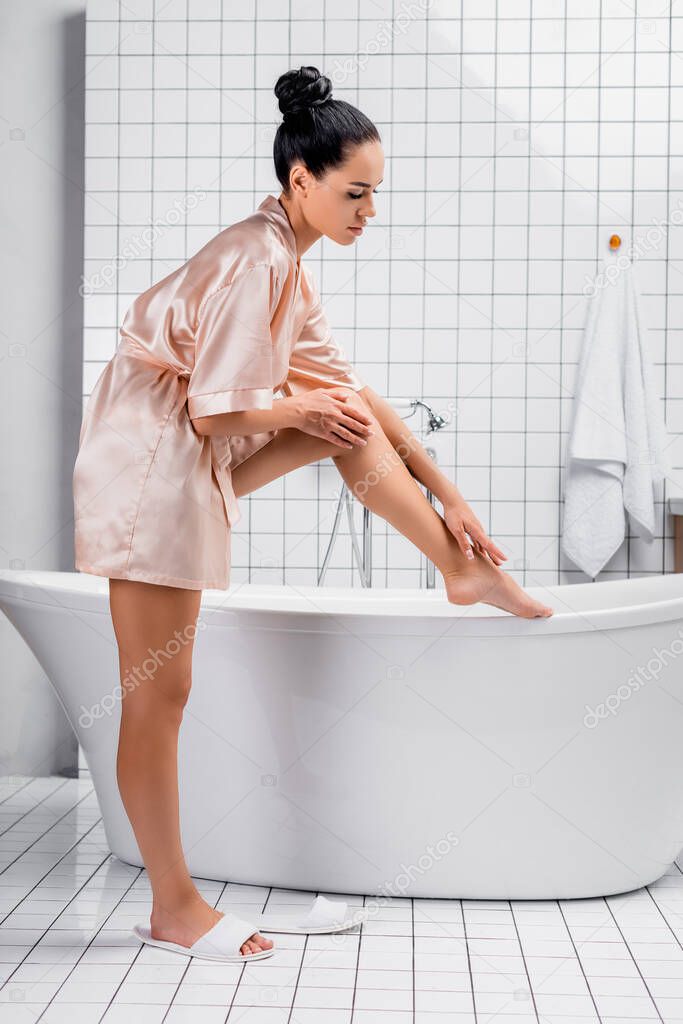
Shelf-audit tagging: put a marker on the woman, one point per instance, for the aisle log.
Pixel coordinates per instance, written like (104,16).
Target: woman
(182,422)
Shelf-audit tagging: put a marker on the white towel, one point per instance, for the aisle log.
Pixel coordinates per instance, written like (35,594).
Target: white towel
(617,449)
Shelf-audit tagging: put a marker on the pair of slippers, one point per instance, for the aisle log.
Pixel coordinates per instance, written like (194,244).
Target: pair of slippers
(223,941)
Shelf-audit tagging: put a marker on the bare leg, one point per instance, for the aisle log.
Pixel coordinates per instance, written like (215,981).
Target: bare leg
(379,478)
(145,616)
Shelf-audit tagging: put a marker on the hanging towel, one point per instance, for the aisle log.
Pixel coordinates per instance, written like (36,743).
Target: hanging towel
(617,449)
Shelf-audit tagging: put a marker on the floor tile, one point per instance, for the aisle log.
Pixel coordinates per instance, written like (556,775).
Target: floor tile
(67,955)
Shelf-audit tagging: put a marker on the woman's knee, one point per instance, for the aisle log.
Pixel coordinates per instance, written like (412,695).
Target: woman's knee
(160,698)
(358,402)
(356,399)
(174,684)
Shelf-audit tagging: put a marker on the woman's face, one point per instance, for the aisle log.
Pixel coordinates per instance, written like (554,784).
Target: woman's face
(343,199)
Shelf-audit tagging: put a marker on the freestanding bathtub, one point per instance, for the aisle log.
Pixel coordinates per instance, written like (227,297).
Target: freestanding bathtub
(387,743)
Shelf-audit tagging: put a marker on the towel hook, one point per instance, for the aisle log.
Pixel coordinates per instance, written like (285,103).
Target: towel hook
(614,242)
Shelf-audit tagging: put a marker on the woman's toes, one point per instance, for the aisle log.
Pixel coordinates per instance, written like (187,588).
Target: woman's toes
(256,943)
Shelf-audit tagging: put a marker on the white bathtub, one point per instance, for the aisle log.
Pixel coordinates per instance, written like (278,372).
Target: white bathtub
(385,742)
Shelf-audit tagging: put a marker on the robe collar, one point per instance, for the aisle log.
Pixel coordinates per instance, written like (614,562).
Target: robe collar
(279,217)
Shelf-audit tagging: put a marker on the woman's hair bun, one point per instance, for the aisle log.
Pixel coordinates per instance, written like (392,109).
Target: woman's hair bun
(302,90)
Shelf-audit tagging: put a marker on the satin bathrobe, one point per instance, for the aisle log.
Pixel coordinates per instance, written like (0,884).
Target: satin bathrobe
(238,322)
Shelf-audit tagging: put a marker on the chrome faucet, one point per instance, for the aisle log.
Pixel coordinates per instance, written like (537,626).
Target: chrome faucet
(362,551)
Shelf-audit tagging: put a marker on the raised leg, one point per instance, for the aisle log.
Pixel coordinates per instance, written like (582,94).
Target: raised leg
(379,478)
(147,616)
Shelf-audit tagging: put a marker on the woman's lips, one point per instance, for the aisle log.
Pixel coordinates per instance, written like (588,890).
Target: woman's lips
(356,231)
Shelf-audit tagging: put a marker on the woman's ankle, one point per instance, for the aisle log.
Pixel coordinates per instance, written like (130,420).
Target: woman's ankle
(458,564)
(174,902)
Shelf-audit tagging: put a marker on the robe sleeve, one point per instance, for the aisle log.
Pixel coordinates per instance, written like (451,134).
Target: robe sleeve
(233,363)
(316,359)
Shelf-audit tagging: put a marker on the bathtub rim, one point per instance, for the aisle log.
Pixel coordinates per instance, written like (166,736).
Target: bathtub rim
(316,609)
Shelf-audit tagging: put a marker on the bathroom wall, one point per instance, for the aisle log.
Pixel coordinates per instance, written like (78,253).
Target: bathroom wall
(517,138)
(41,260)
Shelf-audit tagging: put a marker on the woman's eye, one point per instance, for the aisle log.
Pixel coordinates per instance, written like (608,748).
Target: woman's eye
(352,195)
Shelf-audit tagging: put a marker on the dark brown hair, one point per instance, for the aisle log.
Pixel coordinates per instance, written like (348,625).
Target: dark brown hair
(316,130)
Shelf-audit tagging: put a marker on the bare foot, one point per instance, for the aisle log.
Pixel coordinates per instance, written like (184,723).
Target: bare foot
(481,580)
(188,921)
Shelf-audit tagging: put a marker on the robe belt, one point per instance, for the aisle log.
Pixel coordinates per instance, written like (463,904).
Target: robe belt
(219,446)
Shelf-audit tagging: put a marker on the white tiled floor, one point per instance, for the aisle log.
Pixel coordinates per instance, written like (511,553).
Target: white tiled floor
(67,954)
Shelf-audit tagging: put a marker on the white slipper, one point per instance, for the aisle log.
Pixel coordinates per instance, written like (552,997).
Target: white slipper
(222,942)
(323,916)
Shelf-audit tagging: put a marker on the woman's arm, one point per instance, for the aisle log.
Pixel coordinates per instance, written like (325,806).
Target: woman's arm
(458,516)
(323,412)
(284,413)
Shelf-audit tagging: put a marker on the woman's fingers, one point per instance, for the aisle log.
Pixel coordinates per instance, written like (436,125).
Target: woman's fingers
(495,552)
(351,410)
(479,541)
(487,554)
(477,533)
(463,541)
(356,425)
(348,435)
(334,431)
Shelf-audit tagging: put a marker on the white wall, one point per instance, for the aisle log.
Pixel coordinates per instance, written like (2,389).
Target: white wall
(41,201)
(515,146)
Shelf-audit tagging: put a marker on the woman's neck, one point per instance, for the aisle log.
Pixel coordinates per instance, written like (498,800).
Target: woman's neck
(304,234)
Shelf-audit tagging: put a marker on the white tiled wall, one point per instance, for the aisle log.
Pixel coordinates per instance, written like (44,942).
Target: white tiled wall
(518,137)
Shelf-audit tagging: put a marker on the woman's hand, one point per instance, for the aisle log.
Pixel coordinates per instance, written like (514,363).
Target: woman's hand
(326,412)
(461,520)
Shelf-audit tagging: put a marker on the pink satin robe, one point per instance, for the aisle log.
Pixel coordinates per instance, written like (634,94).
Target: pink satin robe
(240,320)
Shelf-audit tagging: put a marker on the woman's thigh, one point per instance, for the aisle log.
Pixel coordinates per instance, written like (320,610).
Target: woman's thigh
(289,449)
(155,628)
